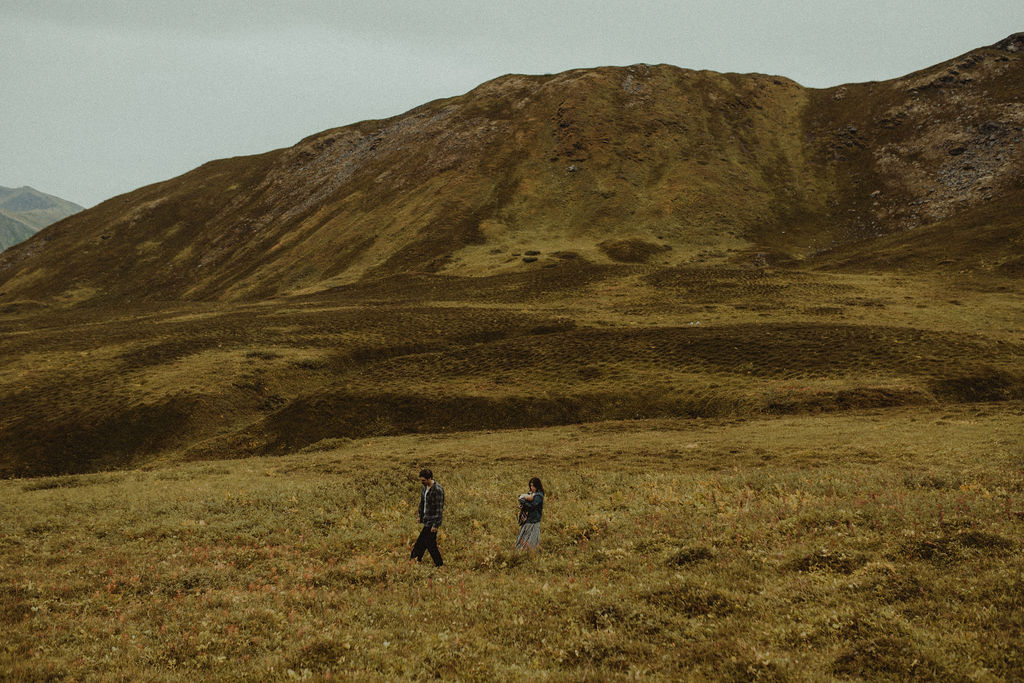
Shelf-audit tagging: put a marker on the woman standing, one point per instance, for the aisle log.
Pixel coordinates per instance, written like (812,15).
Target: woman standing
(531,507)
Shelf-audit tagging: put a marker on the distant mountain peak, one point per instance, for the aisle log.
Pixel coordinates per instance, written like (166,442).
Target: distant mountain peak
(25,210)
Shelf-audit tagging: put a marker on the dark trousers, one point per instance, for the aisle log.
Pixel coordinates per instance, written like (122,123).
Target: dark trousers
(427,542)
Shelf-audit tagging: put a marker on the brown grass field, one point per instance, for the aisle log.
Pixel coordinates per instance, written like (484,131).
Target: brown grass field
(823,479)
(90,388)
(866,545)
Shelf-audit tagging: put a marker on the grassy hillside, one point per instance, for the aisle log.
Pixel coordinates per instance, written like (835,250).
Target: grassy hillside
(87,388)
(613,165)
(607,243)
(864,546)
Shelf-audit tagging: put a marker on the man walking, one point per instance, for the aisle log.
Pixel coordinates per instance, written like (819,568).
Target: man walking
(431,509)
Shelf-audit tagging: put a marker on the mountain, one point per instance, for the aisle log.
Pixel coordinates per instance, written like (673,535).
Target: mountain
(24,211)
(614,245)
(610,163)
(13,231)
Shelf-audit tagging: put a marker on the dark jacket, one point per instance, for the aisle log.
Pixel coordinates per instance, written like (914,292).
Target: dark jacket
(534,508)
(431,507)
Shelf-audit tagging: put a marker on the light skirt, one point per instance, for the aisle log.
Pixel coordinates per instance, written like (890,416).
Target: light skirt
(529,537)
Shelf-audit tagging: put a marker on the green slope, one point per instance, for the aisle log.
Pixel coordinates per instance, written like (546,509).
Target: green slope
(13,231)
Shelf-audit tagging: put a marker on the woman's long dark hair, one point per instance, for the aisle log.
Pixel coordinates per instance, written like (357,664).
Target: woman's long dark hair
(535,482)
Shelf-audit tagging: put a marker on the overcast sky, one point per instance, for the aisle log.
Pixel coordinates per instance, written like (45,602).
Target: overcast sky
(99,97)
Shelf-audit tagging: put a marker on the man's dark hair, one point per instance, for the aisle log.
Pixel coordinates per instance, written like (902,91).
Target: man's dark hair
(426,474)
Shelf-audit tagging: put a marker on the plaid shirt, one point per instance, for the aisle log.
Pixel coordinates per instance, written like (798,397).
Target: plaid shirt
(534,509)
(431,507)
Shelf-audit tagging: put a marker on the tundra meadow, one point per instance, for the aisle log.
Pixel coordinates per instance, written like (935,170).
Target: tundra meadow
(707,549)
(762,343)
